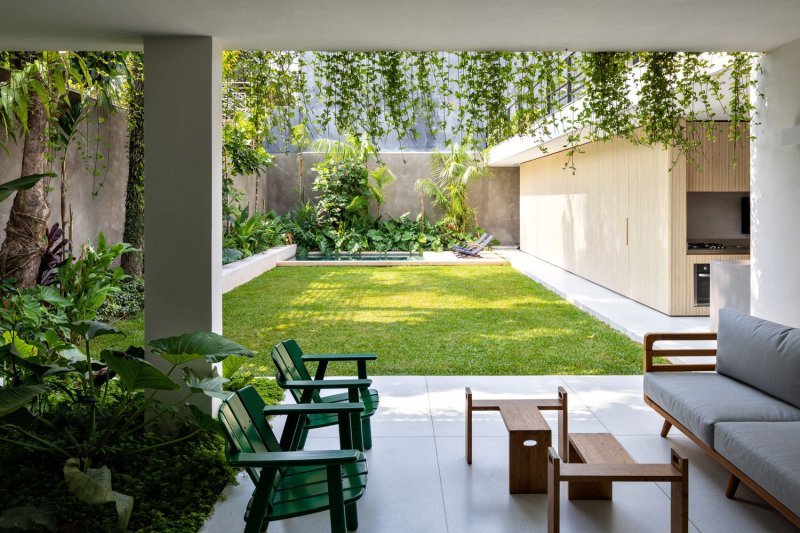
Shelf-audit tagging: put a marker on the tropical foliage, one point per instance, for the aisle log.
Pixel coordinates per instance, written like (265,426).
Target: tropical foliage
(448,187)
(45,97)
(246,235)
(61,398)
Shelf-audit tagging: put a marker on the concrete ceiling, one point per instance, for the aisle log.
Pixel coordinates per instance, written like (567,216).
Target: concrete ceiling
(745,25)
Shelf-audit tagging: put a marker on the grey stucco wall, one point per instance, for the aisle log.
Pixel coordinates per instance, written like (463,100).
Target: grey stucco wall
(496,198)
(98,202)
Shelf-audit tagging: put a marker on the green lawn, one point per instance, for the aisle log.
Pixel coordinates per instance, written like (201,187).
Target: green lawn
(423,320)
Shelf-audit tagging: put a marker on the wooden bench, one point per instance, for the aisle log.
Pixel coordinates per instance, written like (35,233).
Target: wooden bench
(593,461)
(529,437)
(676,473)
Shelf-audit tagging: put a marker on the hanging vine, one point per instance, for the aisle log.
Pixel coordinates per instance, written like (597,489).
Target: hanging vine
(482,98)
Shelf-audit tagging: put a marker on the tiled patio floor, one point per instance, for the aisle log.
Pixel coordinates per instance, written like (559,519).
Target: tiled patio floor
(419,480)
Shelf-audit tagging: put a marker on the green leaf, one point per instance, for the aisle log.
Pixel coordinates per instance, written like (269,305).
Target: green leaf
(210,385)
(20,348)
(231,364)
(73,355)
(94,487)
(52,296)
(89,329)
(25,182)
(137,373)
(30,518)
(204,420)
(13,398)
(210,346)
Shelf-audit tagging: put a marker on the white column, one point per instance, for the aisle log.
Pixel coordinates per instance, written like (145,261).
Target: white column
(183,190)
(183,185)
(775,189)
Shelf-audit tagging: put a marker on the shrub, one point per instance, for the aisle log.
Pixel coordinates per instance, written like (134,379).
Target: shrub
(128,301)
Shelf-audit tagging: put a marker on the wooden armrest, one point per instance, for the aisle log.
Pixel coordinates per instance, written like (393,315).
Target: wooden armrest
(298,458)
(650,339)
(340,357)
(326,384)
(313,408)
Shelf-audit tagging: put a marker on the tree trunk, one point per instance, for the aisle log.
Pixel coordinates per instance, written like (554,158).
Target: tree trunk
(133,262)
(26,230)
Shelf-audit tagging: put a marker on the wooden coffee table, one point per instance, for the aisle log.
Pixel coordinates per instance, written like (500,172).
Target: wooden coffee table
(529,437)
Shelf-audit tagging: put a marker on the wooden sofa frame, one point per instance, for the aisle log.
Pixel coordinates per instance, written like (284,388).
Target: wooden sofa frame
(650,352)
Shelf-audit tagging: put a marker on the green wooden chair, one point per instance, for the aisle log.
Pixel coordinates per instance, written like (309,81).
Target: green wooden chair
(293,375)
(288,482)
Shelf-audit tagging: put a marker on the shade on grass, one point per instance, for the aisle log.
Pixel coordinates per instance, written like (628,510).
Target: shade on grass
(426,320)
(477,320)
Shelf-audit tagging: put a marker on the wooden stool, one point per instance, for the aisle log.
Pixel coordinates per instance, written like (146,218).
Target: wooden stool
(529,437)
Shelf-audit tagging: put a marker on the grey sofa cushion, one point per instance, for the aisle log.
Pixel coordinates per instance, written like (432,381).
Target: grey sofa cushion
(699,400)
(767,452)
(760,353)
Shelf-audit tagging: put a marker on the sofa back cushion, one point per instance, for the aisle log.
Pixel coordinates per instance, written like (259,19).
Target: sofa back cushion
(763,354)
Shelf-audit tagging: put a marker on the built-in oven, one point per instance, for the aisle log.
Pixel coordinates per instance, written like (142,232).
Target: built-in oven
(702,284)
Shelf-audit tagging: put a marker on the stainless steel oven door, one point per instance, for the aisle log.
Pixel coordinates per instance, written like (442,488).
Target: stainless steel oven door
(702,284)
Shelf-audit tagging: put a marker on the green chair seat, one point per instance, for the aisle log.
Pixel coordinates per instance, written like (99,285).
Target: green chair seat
(370,400)
(291,482)
(295,376)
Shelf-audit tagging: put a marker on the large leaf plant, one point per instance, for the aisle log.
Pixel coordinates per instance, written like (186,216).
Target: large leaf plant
(60,397)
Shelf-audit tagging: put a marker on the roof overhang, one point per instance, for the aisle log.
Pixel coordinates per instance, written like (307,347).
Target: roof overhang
(409,25)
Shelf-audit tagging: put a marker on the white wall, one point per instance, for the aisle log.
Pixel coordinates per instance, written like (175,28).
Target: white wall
(775,186)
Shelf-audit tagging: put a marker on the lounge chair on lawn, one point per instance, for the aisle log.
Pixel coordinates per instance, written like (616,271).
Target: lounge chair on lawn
(474,249)
(293,375)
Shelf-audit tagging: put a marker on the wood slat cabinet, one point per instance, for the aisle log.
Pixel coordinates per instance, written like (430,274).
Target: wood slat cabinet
(620,218)
(605,221)
(715,171)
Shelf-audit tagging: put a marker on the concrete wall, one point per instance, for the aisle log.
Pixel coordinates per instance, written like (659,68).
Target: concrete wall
(495,198)
(98,202)
(775,188)
(255,192)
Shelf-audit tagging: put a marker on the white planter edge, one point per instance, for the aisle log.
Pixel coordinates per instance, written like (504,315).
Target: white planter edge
(244,270)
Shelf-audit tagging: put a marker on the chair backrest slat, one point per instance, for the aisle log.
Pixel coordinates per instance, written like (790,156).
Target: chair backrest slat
(254,405)
(245,427)
(234,434)
(287,356)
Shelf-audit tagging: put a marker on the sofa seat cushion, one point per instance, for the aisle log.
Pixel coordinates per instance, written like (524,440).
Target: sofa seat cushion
(698,400)
(766,452)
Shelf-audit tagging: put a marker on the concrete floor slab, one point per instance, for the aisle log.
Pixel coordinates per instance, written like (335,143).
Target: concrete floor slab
(421,482)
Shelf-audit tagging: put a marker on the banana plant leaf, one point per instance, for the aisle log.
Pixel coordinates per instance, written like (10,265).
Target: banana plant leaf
(136,373)
(25,182)
(94,487)
(203,344)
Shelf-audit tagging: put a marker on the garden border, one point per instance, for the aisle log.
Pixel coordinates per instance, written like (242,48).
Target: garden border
(244,270)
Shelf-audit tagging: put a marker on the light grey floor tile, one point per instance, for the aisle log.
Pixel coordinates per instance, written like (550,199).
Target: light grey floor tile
(403,491)
(617,403)
(476,496)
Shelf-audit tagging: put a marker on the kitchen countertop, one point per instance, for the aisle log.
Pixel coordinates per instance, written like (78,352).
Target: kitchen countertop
(726,251)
